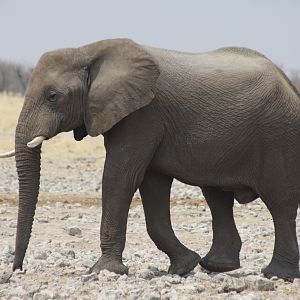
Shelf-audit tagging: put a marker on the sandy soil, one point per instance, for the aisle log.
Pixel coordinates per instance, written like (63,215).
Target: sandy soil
(65,238)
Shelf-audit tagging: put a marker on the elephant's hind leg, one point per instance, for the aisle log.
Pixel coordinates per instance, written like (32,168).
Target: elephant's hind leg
(155,192)
(285,260)
(224,253)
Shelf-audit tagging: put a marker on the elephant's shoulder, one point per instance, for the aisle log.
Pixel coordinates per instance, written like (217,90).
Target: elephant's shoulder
(241,51)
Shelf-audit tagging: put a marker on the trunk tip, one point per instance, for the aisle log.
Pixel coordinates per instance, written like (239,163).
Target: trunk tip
(17,266)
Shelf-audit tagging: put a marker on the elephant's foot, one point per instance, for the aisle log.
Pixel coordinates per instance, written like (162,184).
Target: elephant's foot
(281,270)
(110,264)
(184,263)
(220,261)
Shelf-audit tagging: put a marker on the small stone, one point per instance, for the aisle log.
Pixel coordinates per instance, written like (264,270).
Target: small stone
(174,280)
(249,296)
(153,269)
(18,292)
(146,274)
(45,295)
(111,295)
(43,220)
(198,288)
(260,284)
(231,284)
(123,277)
(2,211)
(274,278)
(109,275)
(71,254)
(74,231)
(42,255)
(241,272)
(296,283)
(65,217)
(154,296)
(5,276)
(202,276)
(219,278)
(173,295)
(63,264)
(89,277)
(59,205)
(68,254)
(8,250)
(13,224)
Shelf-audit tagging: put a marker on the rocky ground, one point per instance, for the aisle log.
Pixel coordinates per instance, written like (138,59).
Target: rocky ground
(65,237)
(65,243)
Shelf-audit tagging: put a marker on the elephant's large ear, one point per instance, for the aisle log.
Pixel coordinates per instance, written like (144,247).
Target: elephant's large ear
(122,77)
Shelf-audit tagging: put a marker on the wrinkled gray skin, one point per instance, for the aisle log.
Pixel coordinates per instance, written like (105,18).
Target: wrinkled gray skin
(227,121)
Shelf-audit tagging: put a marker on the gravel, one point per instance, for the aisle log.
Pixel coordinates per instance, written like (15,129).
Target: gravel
(83,177)
(65,244)
(61,251)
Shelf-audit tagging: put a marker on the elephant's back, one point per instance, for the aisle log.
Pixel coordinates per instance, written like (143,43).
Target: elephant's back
(224,61)
(213,78)
(232,86)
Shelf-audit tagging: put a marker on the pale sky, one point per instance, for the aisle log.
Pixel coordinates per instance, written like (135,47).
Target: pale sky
(31,27)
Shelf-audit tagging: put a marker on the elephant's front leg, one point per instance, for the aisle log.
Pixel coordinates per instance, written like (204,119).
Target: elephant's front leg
(117,192)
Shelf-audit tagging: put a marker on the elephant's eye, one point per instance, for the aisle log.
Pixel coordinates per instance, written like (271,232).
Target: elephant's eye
(52,96)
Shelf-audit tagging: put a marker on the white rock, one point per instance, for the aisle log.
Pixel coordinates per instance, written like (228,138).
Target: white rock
(42,255)
(68,254)
(59,205)
(123,277)
(296,283)
(45,295)
(111,294)
(39,296)
(5,275)
(260,284)
(109,275)
(231,284)
(153,296)
(173,295)
(18,291)
(249,296)
(145,274)
(194,287)
(220,277)
(43,220)
(8,250)
(175,279)
(13,224)
(89,277)
(65,217)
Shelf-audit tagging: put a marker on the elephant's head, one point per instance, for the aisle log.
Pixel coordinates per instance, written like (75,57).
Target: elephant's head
(87,90)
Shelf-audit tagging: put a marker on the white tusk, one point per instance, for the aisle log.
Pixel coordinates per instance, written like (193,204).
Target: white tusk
(36,141)
(8,154)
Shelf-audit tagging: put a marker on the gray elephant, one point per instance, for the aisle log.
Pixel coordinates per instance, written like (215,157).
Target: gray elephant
(227,121)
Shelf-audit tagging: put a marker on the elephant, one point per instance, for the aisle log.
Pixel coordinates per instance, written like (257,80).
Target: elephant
(227,121)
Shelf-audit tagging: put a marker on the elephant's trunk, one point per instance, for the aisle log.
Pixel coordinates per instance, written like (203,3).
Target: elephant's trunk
(28,168)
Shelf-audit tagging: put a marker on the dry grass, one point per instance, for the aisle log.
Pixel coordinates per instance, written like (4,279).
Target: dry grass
(10,107)
(85,200)
(62,145)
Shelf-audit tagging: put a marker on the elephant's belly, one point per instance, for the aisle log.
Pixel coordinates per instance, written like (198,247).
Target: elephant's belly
(198,172)
(242,194)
